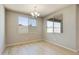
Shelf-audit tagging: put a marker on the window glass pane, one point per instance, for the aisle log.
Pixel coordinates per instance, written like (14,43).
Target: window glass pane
(57,27)
(57,24)
(32,25)
(32,22)
(49,26)
(23,21)
(23,24)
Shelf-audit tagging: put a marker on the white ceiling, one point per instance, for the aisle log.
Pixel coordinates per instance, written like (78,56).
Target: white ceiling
(44,9)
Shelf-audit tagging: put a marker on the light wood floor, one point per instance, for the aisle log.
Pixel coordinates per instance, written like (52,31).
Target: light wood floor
(37,48)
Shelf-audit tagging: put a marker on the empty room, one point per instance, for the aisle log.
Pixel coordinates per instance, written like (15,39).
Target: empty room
(39,29)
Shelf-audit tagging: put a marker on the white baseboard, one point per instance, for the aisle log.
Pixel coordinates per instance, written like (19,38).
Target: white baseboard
(24,42)
(73,50)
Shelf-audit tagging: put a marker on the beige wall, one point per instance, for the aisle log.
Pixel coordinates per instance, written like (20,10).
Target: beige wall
(68,37)
(12,29)
(77,23)
(2,29)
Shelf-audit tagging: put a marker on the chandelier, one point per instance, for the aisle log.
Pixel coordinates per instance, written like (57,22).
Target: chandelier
(34,13)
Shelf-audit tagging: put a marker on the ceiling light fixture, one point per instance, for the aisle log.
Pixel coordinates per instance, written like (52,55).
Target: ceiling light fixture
(34,13)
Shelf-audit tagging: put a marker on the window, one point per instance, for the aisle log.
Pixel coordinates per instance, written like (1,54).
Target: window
(54,25)
(23,24)
(49,26)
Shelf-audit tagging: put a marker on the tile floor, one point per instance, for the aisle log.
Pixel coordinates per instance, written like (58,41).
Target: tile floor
(37,48)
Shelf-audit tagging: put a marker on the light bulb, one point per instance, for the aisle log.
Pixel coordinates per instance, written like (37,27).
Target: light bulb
(32,13)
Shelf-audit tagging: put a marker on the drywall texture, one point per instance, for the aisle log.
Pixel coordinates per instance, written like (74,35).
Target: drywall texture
(2,29)
(13,36)
(68,37)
